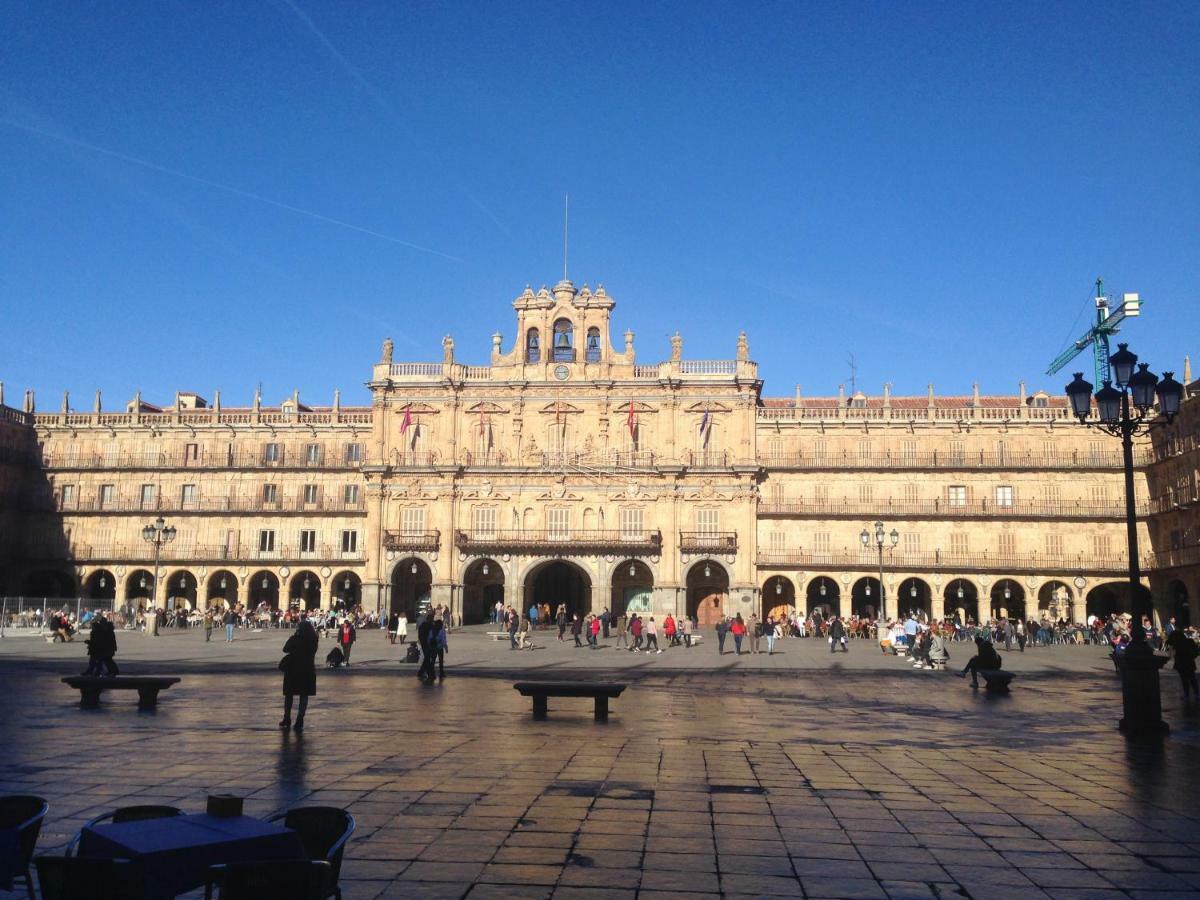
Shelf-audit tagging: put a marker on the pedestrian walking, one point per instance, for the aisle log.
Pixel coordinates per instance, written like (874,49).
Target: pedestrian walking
(102,647)
(652,636)
(526,636)
(561,619)
(208,625)
(722,630)
(594,633)
(738,629)
(687,631)
(770,628)
(576,628)
(440,645)
(837,635)
(636,629)
(754,632)
(230,623)
(513,626)
(425,636)
(605,619)
(393,626)
(623,631)
(299,671)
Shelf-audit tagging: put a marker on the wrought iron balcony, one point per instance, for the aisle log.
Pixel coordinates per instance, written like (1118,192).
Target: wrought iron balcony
(953,562)
(412,540)
(561,541)
(941,509)
(949,460)
(724,542)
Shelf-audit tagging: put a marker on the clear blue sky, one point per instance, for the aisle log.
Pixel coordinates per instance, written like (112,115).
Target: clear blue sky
(200,195)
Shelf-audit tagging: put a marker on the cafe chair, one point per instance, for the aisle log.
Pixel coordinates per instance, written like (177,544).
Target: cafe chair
(124,814)
(274,879)
(71,877)
(23,815)
(324,831)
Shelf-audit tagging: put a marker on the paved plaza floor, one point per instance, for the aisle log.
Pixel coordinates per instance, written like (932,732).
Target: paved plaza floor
(796,775)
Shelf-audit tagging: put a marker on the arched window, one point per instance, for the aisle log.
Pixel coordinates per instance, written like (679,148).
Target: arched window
(533,346)
(564,341)
(593,345)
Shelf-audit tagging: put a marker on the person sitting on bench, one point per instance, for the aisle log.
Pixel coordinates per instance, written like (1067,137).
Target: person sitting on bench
(937,654)
(985,658)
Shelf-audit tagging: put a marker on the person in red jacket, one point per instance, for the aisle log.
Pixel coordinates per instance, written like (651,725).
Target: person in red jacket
(635,629)
(670,631)
(593,632)
(738,630)
(346,638)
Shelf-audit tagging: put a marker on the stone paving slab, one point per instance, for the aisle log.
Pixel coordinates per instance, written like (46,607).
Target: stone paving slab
(871,780)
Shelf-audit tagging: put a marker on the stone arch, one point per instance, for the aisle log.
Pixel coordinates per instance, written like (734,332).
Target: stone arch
(222,589)
(139,587)
(864,598)
(563,346)
(707,583)
(778,597)
(533,345)
(632,588)
(101,584)
(823,593)
(1008,600)
(345,589)
(304,590)
(412,587)
(557,582)
(262,589)
(1056,600)
(483,582)
(181,587)
(914,595)
(592,346)
(1113,597)
(961,600)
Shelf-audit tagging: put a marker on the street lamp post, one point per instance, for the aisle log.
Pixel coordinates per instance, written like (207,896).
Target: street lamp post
(880,539)
(1114,407)
(157,533)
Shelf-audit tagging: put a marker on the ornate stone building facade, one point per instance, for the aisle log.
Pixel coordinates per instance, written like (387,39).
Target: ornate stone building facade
(566,471)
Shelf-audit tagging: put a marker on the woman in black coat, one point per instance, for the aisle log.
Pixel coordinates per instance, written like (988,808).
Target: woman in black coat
(299,672)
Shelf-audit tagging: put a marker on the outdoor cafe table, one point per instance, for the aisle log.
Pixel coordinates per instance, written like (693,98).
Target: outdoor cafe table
(175,852)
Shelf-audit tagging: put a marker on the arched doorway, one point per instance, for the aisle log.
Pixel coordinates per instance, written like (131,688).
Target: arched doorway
(304,590)
(1181,611)
(412,585)
(707,587)
(100,585)
(914,597)
(483,588)
(139,588)
(222,589)
(864,598)
(1106,600)
(1008,600)
(632,589)
(49,584)
(1054,602)
(823,594)
(961,601)
(778,598)
(558,583)
(181,590)
(346,590)
(263,590)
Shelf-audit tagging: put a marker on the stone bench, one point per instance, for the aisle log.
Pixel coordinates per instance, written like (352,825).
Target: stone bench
(147,686)
(540,690)
(498,635)
(996,680)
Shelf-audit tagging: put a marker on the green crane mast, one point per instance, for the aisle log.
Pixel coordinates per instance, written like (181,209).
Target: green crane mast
(1108,322)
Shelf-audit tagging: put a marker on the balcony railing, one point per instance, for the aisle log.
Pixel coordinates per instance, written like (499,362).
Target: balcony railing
(143,553)
(708,542)
(164,506)
(1175,559)
(970,562)
(941,459)
(412,541)
(215,460)
(582,541)
(708,459)
(414,459)
(942,509)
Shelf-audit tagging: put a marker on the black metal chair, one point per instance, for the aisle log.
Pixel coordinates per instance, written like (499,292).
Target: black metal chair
(23,814)
(71,877)
(324,831)
(287,879)
(125,814)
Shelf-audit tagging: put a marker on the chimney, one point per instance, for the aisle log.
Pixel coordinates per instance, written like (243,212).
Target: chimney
(1022,387)
(887,395)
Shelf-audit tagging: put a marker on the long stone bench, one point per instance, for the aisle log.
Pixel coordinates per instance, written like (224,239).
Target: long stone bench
(147,686)
(540,690)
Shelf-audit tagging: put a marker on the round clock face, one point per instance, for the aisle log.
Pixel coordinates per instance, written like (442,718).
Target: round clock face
(562,373)
(1080,581)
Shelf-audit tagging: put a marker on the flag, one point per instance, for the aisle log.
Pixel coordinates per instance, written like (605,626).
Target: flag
(482,421)
(559,414)
(408,419)
(704,421)
(631,422)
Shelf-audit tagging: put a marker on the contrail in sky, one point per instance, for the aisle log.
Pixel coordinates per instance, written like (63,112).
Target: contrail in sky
(224,187)
(379,97)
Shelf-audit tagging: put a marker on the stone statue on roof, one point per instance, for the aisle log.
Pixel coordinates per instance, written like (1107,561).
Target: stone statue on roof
(448,349)
(387,350)
(676,347)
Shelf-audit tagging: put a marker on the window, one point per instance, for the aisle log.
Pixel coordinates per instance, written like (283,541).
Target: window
(1054,545)
(821,493)
(1099,495)
(308,541)
(312,454)
(350,494)
(1048,449)
(821,542)
(1004,495)
(866,493)
(354,453)
(270,493)
(146,497)
(349,541)
(774,448)
(187,495)
(412,520)
(958,543)
(107,495)
(956,495)
(266,541)
(1052,495)
(864,449)
(110,454)
(69,495)
(271,453)
(1101,546)
(912,493)
(1006,544)
(631,523)
(912,543)
(310,493)
(533,346)
(908,449)
(191,453)
(777,542)
(777,494)
(820,448)
(484,524)
(1001,450)
(558,523)
(708,521)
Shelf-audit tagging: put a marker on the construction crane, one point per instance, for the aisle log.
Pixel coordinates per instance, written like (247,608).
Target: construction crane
(1108,322)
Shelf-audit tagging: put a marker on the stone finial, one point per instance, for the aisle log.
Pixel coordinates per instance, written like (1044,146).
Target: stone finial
(217,401)
(497,342)
(95,406)
(448,349)
(177,401)
(799,394)
(1021,384)
(564,291)
(1187,371)
(30,404)
(628,339)
(841,395)
(676,347)
(887,393)
(257,399)
(337,399)
(929,395)
(743,347)
(388,347)
(975,393)
(66,407)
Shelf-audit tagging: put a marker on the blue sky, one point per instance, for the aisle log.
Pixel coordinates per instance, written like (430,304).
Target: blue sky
(206,195)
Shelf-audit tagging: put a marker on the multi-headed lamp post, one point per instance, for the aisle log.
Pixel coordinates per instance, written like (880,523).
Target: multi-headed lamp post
(880,539)
(157,533)
(1115,402)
